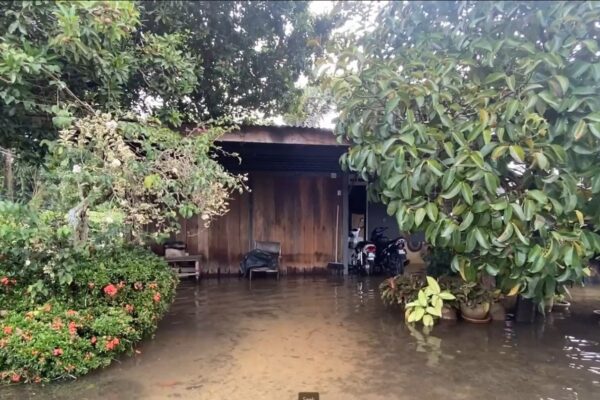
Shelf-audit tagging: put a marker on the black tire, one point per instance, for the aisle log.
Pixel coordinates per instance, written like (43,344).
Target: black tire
(414,245)
(371,269)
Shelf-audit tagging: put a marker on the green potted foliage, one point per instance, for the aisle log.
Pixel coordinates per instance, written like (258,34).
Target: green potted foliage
(428,305)
(475,302)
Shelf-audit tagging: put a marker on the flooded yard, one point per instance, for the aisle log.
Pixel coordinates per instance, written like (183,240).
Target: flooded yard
(271,340)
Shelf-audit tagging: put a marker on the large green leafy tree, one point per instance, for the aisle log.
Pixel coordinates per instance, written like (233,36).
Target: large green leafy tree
(250,52)
(179,61)
(479,124)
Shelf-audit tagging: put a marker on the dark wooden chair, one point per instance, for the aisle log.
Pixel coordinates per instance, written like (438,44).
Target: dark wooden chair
(273,248)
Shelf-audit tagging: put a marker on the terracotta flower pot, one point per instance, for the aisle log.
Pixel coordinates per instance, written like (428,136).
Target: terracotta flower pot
(475,311)
(449,313)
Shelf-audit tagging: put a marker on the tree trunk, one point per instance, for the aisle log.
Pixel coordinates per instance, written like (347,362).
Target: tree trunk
(9,186)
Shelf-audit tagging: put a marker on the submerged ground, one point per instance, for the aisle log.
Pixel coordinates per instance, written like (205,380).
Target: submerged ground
(271,340)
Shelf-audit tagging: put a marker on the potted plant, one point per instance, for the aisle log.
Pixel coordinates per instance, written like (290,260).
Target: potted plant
(404,289)
(429,303)
(401,289)
(475,301)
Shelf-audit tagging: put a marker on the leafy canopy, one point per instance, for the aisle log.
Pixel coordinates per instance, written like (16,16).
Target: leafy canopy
(178,60)
(479,124)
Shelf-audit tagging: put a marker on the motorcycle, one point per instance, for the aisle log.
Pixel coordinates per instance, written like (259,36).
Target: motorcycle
(391,256)
(362,259)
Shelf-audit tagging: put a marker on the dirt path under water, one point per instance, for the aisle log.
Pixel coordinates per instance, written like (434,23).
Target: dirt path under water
(271,340)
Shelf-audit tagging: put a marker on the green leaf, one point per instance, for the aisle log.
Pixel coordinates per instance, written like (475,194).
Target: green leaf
(450,228)
(432,211)
(579,130)
(517,153)
(594,117)
(394,180)
(490,269)
(495,77)
(519,211)
(433,311)
(510,81)
(419,216)
(563,82)
(467,220)
(499,205)
(549,99)
(506,234)
(538,196)
(499,152)
(427,320)
(447,296)
(448,178)
(522,238)
(467,193)
(392,104)
(435,167)
(596,184)
(433,284)
(422,298)
(453,192)
(595,129)
(481,239)
(484,116)
(491,182)
(511,109)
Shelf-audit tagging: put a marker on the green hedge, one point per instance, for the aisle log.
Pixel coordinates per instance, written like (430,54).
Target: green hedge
(115,299)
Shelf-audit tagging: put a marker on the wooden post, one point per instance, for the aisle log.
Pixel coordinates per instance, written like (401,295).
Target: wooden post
(8,173)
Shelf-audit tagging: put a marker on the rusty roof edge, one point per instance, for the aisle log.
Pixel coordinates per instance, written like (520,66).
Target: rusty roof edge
(282,135)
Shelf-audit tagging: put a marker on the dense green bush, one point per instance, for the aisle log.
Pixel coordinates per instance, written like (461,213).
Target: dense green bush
(51,329)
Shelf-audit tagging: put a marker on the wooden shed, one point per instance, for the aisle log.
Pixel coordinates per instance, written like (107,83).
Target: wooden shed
(295,198)
(298,196)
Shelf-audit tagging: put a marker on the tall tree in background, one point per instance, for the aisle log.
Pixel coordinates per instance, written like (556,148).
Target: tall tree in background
(479,124)
(178,61)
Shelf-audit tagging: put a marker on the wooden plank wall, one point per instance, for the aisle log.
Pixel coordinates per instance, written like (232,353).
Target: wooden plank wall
(298,210)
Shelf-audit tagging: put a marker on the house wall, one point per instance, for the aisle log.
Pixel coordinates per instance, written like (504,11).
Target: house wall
(296,209)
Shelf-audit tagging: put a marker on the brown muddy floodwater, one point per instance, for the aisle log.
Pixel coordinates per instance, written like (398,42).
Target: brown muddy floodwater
(271,340)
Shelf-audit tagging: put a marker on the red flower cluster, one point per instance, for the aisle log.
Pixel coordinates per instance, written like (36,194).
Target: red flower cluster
(57,324)
(57,352)
(93,340)
(128,308)
(8,330)
(111,290)
(5,281)
(72,328)
(15,378)
(111,344)
(156,297)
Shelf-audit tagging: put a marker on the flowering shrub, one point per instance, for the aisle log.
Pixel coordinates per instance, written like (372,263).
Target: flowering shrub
(115,299)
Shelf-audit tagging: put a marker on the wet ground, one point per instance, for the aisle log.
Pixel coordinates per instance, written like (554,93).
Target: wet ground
(271,340)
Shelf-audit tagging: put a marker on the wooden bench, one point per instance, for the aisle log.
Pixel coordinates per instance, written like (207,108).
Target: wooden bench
(186,259)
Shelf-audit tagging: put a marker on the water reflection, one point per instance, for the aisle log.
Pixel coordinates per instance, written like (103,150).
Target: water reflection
(229,340)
